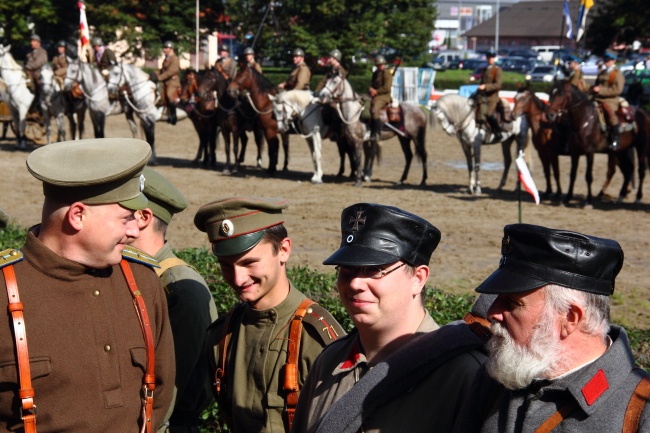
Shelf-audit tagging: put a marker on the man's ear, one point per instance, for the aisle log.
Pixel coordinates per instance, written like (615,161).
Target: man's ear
(77,213)
(420,277)
(572,320)
(144,217)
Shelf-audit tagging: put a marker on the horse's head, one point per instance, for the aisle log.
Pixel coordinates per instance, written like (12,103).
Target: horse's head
(116,78)
(283,111)
(206,91)
(4,49)
(48,85)
(523,98)
(189,86)
(242,81)
(560,99)
(72,73)
(333,89)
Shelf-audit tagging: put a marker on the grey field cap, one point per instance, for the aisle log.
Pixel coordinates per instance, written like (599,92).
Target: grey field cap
(93,171)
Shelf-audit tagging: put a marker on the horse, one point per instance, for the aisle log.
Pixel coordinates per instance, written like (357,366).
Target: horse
(19,97)
(587,138)
(456,115)
(350,107)
(547,136)
(52,103)
(259,88)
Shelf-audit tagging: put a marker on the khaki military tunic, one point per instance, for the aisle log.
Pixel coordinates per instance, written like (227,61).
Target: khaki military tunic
(611,83)
(493,79)
(34,62)
(256,356)
(299,78)
(105,59)
(191,311)
(431,406)
(227,66)
(253,64)
(382,81)
(331,72)
(168,75)
(60,67)
(86,348)
(577,80)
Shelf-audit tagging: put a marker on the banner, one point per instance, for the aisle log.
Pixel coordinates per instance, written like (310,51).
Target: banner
(84,34)
(525,178)
(567,18)
(585,5)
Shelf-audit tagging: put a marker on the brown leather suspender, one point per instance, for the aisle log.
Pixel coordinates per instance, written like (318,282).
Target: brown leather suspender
(26,392)
(149,379)
(635,407)
(290,384)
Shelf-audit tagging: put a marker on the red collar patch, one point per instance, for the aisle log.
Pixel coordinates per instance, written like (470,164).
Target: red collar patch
(354,358)
(595,387)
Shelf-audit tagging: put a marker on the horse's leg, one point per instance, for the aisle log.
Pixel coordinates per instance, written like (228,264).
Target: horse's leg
(225,133)
(405,143)
(259,143)
(421,149)
(342,152)
(507,160)
(274,149)
(575,161)
(626,163)
(476,147)
(81,118)
(612,160)
(213,140)
(5,127)
(149,128)
(60,125)
(131,121)
(285,147)
(315,143)
(99,121)
(244,142)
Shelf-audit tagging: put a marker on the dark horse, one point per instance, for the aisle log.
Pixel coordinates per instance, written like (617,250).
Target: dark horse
(586,138)
(259,88)
(547,136)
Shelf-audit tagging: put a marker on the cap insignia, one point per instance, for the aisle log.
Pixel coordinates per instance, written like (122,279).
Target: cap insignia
(141,182)
(227,228)
(355,221)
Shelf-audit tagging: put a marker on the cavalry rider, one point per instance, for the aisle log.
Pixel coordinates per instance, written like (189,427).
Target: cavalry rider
(491,82)
(249,55)
(300,74)
(35,60)
(380,91)
(60,63)
(609,86)
(226,65)
(334,68)
(168,75)
(104,56)
(575,73)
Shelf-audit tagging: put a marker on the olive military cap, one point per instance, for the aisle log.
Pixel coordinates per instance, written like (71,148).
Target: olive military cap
(534,256)
(609,56)
(375,234)
(236,224)
(164,199)
(93,171)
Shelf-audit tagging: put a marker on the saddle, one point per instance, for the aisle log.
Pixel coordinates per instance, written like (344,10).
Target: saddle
(624,113)
(391,114)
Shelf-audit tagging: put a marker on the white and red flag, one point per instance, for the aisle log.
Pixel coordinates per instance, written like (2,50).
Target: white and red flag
(525,177)
(84,34)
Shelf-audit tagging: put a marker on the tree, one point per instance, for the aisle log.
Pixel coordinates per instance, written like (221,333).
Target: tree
(617,21)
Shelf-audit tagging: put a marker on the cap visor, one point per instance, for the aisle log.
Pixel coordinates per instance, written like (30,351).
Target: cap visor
(360,256)
(237,245)
(137,203)
(509,282)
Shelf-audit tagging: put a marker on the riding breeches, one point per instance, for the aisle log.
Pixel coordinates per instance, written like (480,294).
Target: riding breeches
(610,107)
(170,95)
(379,102)
(492,104)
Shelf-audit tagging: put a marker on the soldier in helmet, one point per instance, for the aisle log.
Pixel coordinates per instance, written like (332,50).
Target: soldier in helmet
(60,63)
(33,64)
(334,67)
(380,91)
(249,55)
(226,65)
(104,56)
(300,75)
(168,75)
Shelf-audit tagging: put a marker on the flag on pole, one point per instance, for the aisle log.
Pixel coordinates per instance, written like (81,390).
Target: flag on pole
(84,34)
(585,5)
(567,17)
(525,178)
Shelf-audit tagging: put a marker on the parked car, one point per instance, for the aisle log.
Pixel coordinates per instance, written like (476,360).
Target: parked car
(477,74)
(591,65)
(443,60)
(544,73)
(516,64)
(528,54)
(472,64)
(545,52)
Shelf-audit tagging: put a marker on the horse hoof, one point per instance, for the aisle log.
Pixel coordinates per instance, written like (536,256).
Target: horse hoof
(225,171)
(367,179)
(357,183)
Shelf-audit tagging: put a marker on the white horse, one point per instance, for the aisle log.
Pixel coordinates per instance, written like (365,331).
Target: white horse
(52,103)
(456,115)
(297,109)
(19,96)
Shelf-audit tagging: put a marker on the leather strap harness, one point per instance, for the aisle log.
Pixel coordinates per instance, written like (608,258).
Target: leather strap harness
(26,392)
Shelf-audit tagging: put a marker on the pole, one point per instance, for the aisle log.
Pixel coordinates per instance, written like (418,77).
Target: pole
(496,32)
(562,29)
(519,195)
(197,53)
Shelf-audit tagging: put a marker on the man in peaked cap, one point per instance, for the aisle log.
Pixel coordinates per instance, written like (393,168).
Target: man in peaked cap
(34,61)
(77,281)
(257,373)
(397,371)
(609,85)
(168,75)
(555,360)
(189,301)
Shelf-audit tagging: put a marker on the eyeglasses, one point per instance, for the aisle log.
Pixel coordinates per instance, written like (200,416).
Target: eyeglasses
(372,272)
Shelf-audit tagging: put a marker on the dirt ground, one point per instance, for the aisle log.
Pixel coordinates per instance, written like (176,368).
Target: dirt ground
(471,226)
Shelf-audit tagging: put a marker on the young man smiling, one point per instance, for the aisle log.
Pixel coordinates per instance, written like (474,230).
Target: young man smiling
(263,348)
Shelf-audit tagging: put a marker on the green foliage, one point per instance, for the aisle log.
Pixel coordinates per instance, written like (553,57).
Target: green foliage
(621,21)
(453,79)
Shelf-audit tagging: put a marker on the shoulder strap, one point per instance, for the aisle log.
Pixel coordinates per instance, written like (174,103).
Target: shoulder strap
(636,405)
(168,263)
(26,392)
(149,380)
(290,383)
(612,76)
(135,255)
(494,73)
(555,419)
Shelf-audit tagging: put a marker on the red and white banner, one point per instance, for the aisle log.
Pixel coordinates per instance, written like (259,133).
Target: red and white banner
(525,178)
(84,34)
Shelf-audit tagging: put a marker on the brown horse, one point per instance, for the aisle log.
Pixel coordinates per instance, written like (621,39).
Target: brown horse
(586,138)
(547,136)
(259,88)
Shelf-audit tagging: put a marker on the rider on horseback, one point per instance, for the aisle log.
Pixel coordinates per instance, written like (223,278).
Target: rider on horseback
(249,55)
(575,73)
(104,56)
(491,82)
(60,63)
(226,65)
(334,67)
(33,64)
(380,91)
(609,85)
(168,75)
(300,74)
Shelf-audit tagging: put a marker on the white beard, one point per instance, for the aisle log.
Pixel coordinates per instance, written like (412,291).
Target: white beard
(516,366)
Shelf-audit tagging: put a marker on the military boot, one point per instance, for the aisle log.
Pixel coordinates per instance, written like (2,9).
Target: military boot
(171,114)
(375,129)
(614,136)
(496,129)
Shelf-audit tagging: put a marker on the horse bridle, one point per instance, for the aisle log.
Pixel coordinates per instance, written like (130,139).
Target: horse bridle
(248,96)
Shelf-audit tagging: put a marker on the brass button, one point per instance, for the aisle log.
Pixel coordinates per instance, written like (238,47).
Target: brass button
(107,348)
(96,293)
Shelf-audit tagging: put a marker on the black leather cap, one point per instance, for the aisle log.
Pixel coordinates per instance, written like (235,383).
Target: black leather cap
(374,234)
(534,256)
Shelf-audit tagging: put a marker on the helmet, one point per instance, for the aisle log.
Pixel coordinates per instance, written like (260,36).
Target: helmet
(168,44)
(97,42)
(490,53)
(35,37)
(380,60)
(61,43)
(609,56)
(224,47)
(249,50)
(336,54)
(298,52)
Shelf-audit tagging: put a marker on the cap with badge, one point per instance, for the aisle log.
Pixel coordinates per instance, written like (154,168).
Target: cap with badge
(165,199)
(93,171)
(236,224)
(374,235)
(534,256)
